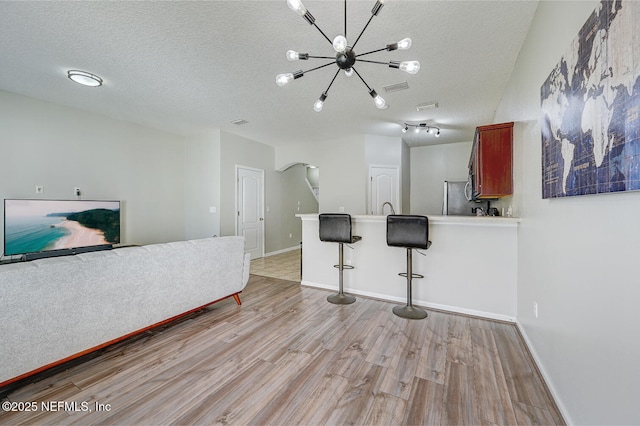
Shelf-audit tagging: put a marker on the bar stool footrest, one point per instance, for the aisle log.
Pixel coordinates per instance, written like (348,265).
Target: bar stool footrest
(344,266)
(404,274)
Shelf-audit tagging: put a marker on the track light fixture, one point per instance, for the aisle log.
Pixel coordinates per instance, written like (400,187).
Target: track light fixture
(432,130)
(345,56)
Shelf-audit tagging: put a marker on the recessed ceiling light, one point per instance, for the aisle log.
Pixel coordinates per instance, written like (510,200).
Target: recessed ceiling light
(239,122)
(84,78)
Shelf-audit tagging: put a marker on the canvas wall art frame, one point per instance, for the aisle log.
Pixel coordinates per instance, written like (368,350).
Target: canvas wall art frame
(591,107)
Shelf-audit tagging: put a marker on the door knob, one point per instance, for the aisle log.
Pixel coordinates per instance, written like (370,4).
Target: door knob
(261,219)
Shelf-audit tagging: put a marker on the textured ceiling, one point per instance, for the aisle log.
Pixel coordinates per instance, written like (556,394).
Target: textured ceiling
(189,67)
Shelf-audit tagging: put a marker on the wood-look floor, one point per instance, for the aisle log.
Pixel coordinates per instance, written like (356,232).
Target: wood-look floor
(286,356)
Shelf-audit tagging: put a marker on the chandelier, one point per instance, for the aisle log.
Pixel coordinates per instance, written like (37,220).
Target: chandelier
(345,57)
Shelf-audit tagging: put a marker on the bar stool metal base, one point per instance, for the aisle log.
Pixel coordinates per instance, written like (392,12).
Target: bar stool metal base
(409,312)
(341,299)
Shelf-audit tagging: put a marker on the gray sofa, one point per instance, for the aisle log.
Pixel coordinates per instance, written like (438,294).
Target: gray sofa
(58,308)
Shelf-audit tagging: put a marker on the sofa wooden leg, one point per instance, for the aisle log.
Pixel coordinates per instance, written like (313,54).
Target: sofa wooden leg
(236,297)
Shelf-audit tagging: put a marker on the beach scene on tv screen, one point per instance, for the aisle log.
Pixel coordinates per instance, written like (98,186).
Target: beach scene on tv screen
(40,225)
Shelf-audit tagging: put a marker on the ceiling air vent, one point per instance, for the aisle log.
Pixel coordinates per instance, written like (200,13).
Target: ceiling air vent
(427,105)
(396,87)
(239,122)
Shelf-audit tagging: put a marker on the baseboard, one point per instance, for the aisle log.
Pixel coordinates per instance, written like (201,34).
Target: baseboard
(422,303)
(273,253)
(545,376)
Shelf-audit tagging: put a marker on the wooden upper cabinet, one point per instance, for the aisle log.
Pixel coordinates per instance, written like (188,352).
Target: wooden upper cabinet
(491,161)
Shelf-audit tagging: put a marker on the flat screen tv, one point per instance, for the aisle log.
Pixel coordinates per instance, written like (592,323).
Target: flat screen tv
(44,228)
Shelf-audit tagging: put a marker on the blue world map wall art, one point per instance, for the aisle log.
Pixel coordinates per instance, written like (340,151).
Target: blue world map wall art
(591,107)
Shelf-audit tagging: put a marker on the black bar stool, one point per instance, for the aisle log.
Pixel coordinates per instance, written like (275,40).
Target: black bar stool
(336,228)
(410,232)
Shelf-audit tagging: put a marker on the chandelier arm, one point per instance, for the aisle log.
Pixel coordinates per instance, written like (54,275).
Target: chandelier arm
(358,74)
(322,32)
(322,57)
(317,68)
(332,80)
(373,51)
(345,18)
(373,62)
(362,32)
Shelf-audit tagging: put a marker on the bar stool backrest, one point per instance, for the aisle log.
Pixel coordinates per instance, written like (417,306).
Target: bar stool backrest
(335,228)
(408,231)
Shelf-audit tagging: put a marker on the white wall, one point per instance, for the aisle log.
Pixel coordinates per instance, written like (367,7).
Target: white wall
(283,190)
(297,198)
(388,151)
(343,168)
(167,183)
(202,186)
(62,148)
(430,167)
(236,150)
(577,256)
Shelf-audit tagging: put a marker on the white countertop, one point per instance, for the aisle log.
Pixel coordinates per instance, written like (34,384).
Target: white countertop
(444,220)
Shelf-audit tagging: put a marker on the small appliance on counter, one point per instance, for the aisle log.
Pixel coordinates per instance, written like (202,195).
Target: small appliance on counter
(486,211)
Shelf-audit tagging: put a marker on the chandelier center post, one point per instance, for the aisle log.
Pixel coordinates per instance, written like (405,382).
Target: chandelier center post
(346,59)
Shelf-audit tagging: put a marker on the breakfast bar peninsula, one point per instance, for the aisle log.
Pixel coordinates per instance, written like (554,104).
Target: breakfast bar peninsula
(470,268)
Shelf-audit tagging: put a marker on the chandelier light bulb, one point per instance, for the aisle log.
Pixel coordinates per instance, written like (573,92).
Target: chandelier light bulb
(404,44)
(411,67)
(317,107)
(405,128)
(340,44)
(297,6)
(378,100)
(282,79)
(292,55)
(348,72)
(438,133)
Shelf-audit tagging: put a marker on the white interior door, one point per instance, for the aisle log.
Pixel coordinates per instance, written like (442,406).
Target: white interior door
(250,209)
(384,187)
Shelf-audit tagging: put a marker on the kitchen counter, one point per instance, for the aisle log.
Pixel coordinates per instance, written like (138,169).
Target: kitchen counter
(470,268)
(459,220)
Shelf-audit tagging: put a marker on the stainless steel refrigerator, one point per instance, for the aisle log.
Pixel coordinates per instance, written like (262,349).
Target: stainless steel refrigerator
(456,200)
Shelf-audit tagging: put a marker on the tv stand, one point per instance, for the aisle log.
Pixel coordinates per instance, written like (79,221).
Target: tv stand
(66,252)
